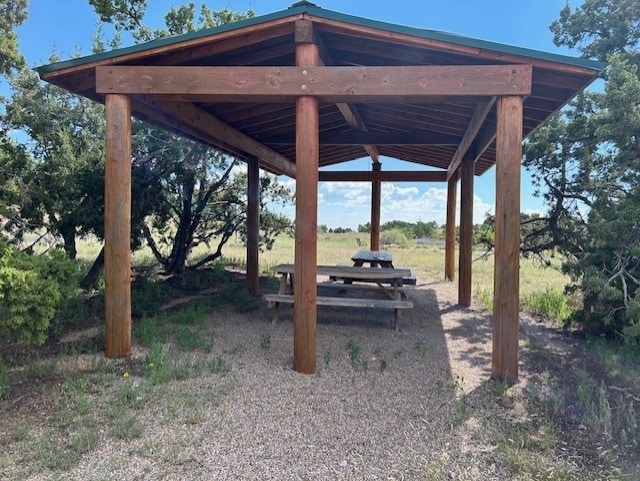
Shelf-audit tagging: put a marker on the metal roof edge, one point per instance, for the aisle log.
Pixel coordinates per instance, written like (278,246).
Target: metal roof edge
(458,39)
(313,10)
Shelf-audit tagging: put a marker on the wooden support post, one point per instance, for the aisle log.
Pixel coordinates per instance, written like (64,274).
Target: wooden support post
(253,225)
(506,280)
(376,192)
(304,279)
(450,230)
(117,227)
(466,232)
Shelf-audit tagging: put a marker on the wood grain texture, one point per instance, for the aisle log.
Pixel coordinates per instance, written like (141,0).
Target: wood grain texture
(376,196)
(253,225)
(506,292)
(477,120)
(198,119)
(307,159)
(450,231)
(332,84)
(117,227)
(465,260)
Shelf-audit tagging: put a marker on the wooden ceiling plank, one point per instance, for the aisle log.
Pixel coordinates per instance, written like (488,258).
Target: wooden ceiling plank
(333,83)
(359,137)
(475,125)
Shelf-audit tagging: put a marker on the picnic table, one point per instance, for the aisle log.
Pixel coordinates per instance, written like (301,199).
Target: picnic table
(389,280)
(373,258)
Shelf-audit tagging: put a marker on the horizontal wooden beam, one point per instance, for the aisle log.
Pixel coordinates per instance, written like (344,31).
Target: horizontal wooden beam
(360,137)
(198,119)
(331,84)
(383,176)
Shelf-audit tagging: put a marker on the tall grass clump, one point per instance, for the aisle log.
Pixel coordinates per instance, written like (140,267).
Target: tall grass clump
(550,304)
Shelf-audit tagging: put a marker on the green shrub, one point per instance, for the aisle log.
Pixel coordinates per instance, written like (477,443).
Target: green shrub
(394,237)
(32,289)
(5,386)
(550,304)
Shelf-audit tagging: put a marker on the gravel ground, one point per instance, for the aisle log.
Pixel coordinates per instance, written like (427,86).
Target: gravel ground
(408,405)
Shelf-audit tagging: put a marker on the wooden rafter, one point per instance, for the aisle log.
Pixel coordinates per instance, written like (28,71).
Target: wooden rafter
(200,120)
(478,118)
(349,112)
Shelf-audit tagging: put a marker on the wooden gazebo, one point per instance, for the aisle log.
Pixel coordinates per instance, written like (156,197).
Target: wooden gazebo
(306,88)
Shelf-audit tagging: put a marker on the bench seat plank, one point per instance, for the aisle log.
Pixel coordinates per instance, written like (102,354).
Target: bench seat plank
(344,301)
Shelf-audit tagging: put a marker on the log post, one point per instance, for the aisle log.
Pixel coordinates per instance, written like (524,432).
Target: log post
(253,225)
(450,230)
(117,227)
(307,159)
(466,231)
(376,191)
(506,280)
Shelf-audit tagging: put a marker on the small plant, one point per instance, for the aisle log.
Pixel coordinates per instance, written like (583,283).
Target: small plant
(383,364)
(327,358)
(127,428)
(265,341)
(5,385)
(485,296)
(354,351)
(84,441)
(189,339)
(550,304)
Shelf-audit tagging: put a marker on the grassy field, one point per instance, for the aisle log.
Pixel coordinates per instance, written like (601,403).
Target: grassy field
(426,262)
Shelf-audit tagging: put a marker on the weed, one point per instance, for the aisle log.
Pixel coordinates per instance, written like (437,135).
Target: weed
(485,296)
(219,366)
(127,428)
(550,304)
(54,457)
(151,330)
(84,441)
(148,296)
(354,351)
(327,358)
(265,342)
(189,339)
(20,432)
(383,364)
(500,388)
(5,385)
(193,314)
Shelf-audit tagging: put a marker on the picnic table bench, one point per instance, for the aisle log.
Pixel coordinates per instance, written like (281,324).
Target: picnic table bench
(388,281)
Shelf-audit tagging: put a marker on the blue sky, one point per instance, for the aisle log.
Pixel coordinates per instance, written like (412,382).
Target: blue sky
(67,26)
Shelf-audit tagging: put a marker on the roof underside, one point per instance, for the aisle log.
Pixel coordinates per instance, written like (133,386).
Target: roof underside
(344,41)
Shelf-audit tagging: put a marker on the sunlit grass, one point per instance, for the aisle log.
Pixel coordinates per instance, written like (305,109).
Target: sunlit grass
(426,261)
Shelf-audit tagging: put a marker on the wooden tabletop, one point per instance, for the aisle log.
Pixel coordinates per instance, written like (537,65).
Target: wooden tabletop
(350,272)
(373,256)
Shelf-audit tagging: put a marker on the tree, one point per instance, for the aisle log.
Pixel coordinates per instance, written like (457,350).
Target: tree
(203,197)
(587,165)
(12,14)
(62,185)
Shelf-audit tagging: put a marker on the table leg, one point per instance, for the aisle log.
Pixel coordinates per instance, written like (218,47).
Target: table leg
(281,290)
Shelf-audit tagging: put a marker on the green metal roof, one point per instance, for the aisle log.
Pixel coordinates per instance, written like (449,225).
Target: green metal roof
(309,8)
